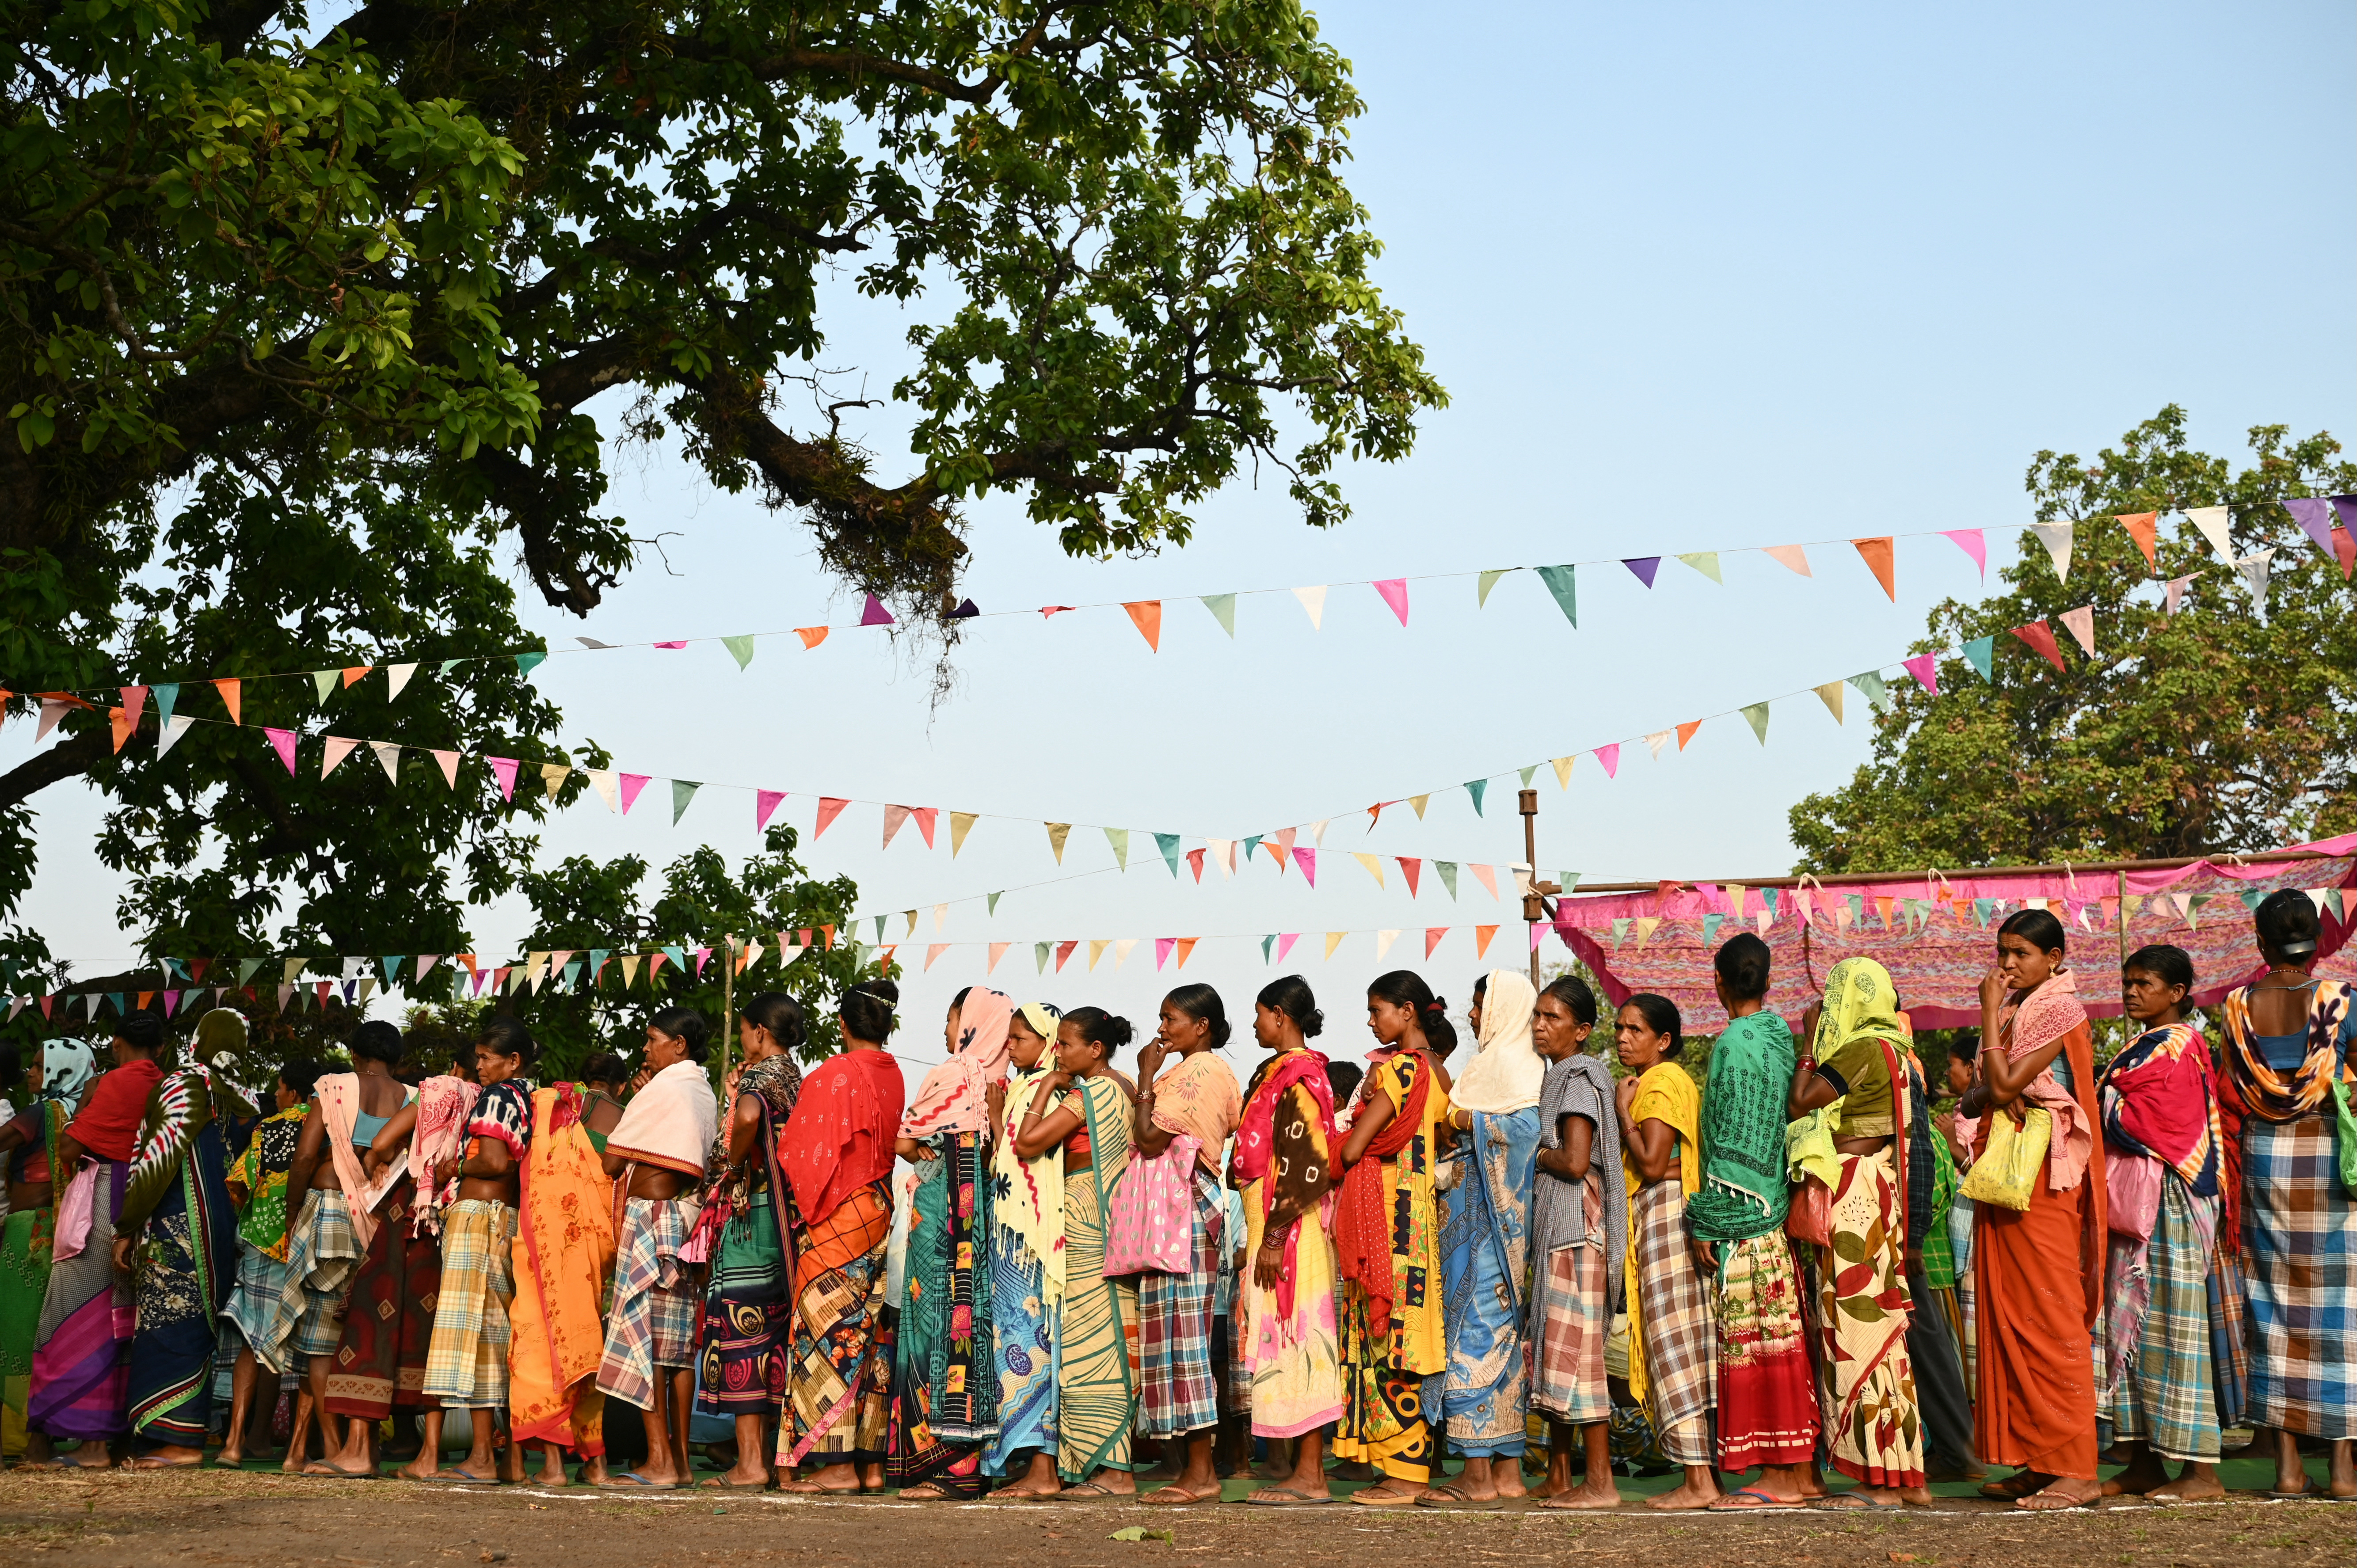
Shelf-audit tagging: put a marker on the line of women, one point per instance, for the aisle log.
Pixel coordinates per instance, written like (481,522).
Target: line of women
(1046,1257)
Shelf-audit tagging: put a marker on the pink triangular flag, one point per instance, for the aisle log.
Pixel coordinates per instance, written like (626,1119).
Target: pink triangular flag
(926,816)
(1925,668)
(1610,756)
(1972,542)
(52,709)
(1790,555)
(874,614)
(337,748)
(1162,946)
(934,952)
(764,805)
(1284,944)
(1432,935)
(1395,593)
(1488,877)
(997,951)
(449,761)
(893,817)
(282,741)
(671,645)
(2082,622)
(505,769)
(134,702)
(631,784)
(1308,860)
(2176,586)
(829,808)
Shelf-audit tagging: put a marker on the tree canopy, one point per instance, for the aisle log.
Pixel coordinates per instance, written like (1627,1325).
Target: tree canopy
(299,314)
(2219,728)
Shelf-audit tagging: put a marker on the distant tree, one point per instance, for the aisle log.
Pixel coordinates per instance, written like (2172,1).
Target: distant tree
(2219,728)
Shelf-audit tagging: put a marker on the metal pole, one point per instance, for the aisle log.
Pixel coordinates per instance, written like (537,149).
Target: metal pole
(1533,904)
(727,1001)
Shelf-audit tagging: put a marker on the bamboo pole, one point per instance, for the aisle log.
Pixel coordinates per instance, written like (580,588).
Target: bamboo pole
(2067,868)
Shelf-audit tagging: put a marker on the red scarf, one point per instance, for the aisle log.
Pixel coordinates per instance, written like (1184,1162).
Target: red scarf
(1363,1229)
(1255,1155)
(108,1125)
(839,1137)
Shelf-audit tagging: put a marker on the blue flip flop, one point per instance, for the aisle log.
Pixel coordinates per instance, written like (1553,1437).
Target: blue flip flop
(630,1480)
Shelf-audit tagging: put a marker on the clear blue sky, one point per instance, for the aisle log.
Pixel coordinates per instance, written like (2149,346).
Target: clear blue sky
(1694,277)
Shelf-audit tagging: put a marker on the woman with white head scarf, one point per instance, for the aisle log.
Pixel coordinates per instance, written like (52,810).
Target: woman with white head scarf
(1485,1246)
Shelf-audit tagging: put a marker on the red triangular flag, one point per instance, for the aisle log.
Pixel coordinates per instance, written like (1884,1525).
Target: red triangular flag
(1195,859)
(1063,951)
(926,816)
(2345,548)
(829,808)
(1408,868)
(1432,935)
(1146,614)
(2040,636)
(1877,555)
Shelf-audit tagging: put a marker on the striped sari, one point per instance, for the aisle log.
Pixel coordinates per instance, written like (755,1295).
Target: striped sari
(1096,1353)
(80,1386)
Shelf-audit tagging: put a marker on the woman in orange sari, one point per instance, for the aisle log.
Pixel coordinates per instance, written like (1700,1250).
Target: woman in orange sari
(564,1265)
(2039,1271)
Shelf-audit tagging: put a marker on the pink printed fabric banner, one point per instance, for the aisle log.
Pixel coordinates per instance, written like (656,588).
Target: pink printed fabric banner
(1937,936)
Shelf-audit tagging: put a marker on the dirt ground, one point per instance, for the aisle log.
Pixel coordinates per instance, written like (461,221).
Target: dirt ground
(257,1519)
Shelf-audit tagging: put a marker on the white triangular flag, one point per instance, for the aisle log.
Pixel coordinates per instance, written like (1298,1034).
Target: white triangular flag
(1314,601)
(396,676)
(387,753)
(52,709)
(602,780)
(2212,522)
(2057,536)
(1657,740)
(1384,940)
(1318,833)
(941,916)
(2255,569)
(1121,950)
(1223,853)
(174,728)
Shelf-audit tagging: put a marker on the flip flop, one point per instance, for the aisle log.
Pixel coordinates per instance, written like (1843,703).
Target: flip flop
(631,1481)
(1087,1492)
(1286,1497)
(1370,1498)
(457,1477)
(1452,1496)
(1851,1502)
(722,1483)
(144,1463)
(2306,1490)
(1728,1505)
(1177,1497)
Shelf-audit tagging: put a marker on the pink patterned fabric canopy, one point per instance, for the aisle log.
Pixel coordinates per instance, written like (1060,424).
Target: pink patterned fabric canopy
(1937,935)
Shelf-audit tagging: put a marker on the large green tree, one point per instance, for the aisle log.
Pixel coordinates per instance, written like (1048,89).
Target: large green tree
(2217,728)
(299,314)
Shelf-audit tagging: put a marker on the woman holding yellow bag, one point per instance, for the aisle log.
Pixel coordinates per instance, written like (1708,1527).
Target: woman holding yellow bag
(2039,1270)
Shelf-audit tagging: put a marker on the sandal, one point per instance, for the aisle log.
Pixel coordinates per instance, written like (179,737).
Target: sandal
(1451,1496)
(1177,1497)
(1371,1498)
(631,1481)
(1762,1501)
(1853,1502)
(1287,1498)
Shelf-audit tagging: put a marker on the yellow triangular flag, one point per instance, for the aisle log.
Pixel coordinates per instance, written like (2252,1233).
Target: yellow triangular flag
(552,775)
(1563,771)
(629,970)
(1333,941)
(1057,833)
(1831,692)
(960,822)
(1646,925)
(1417,801)
(1735,892)
(1374,867)
(1097,946)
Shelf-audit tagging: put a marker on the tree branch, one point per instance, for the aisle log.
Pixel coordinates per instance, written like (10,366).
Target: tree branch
(70,759)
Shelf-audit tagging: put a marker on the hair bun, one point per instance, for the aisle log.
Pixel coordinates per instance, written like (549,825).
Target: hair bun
(1437,1004)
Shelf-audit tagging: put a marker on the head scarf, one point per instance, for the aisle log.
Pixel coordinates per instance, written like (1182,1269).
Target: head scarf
(1044,1017)
(954,1097)
(1509,1073)
(221,1039)
(1860,1004)
(66,1068)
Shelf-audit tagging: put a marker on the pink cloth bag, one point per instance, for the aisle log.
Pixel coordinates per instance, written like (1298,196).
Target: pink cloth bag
(1150,1227)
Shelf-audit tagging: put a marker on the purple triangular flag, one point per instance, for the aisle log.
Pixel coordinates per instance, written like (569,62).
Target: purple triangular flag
(2314,515)
(874,614)
(1644,566)
(2346,506)
(965,611)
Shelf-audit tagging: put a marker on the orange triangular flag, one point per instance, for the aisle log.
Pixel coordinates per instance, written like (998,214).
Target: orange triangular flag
(1186,946)
(355,672)
(1877,554)
(2143,528)
(997,951)
(230,693)
(1148,615)
(811,636)
(1482,935)
(124,724)
(1686,733)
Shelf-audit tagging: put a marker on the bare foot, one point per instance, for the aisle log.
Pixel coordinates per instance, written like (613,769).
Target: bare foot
(2066,1492)
(1917,1496)
(421,1468)
(2146,1474)
(2188,1488)
(1585,1496)
(1690,1494)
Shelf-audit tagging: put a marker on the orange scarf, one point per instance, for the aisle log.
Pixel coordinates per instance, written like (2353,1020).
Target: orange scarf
(1363,1229)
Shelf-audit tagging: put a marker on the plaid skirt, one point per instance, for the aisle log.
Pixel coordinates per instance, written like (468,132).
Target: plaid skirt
(1673,1326)
(1179,1390)
(2299,1242)
(323,1252)
(2152,1375)
(467,1363)
(653,1320)
(1570,1321)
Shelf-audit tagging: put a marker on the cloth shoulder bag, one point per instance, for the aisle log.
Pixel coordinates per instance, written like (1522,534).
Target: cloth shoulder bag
(2007,1172)
(1150,1213)
(2132,1193)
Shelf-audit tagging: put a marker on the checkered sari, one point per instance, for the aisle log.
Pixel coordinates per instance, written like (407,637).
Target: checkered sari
(467,1362)
(1177,1389)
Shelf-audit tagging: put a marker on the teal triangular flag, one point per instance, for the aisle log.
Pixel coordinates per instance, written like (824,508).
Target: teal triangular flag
(1858,910)
(1489,581)
(1870,682)
(527,662)
(1533,768)
(1978,652)
(1771,894)
(742,647)
(391,963)
(115,997)
(1266,944)
(1119,839)
(450,664)
(1757,713)
(1250,844)
(1169,844)
(573,976)
(1448,869)
(879,928)
(325,679)
(1710,924)
(1224,606)
(683,790)
(165,694)
(1982,910)
(1040,951)
(245,968)
(678,956)
(1474,786)
(994,901)
(598,957)
(1559,582)
(2254,898)
(172,969)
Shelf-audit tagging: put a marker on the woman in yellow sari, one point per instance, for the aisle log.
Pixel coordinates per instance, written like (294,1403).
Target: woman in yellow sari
(1673,1336)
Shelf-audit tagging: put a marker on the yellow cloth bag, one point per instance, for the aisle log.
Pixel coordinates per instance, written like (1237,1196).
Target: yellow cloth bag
(2007,1171)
